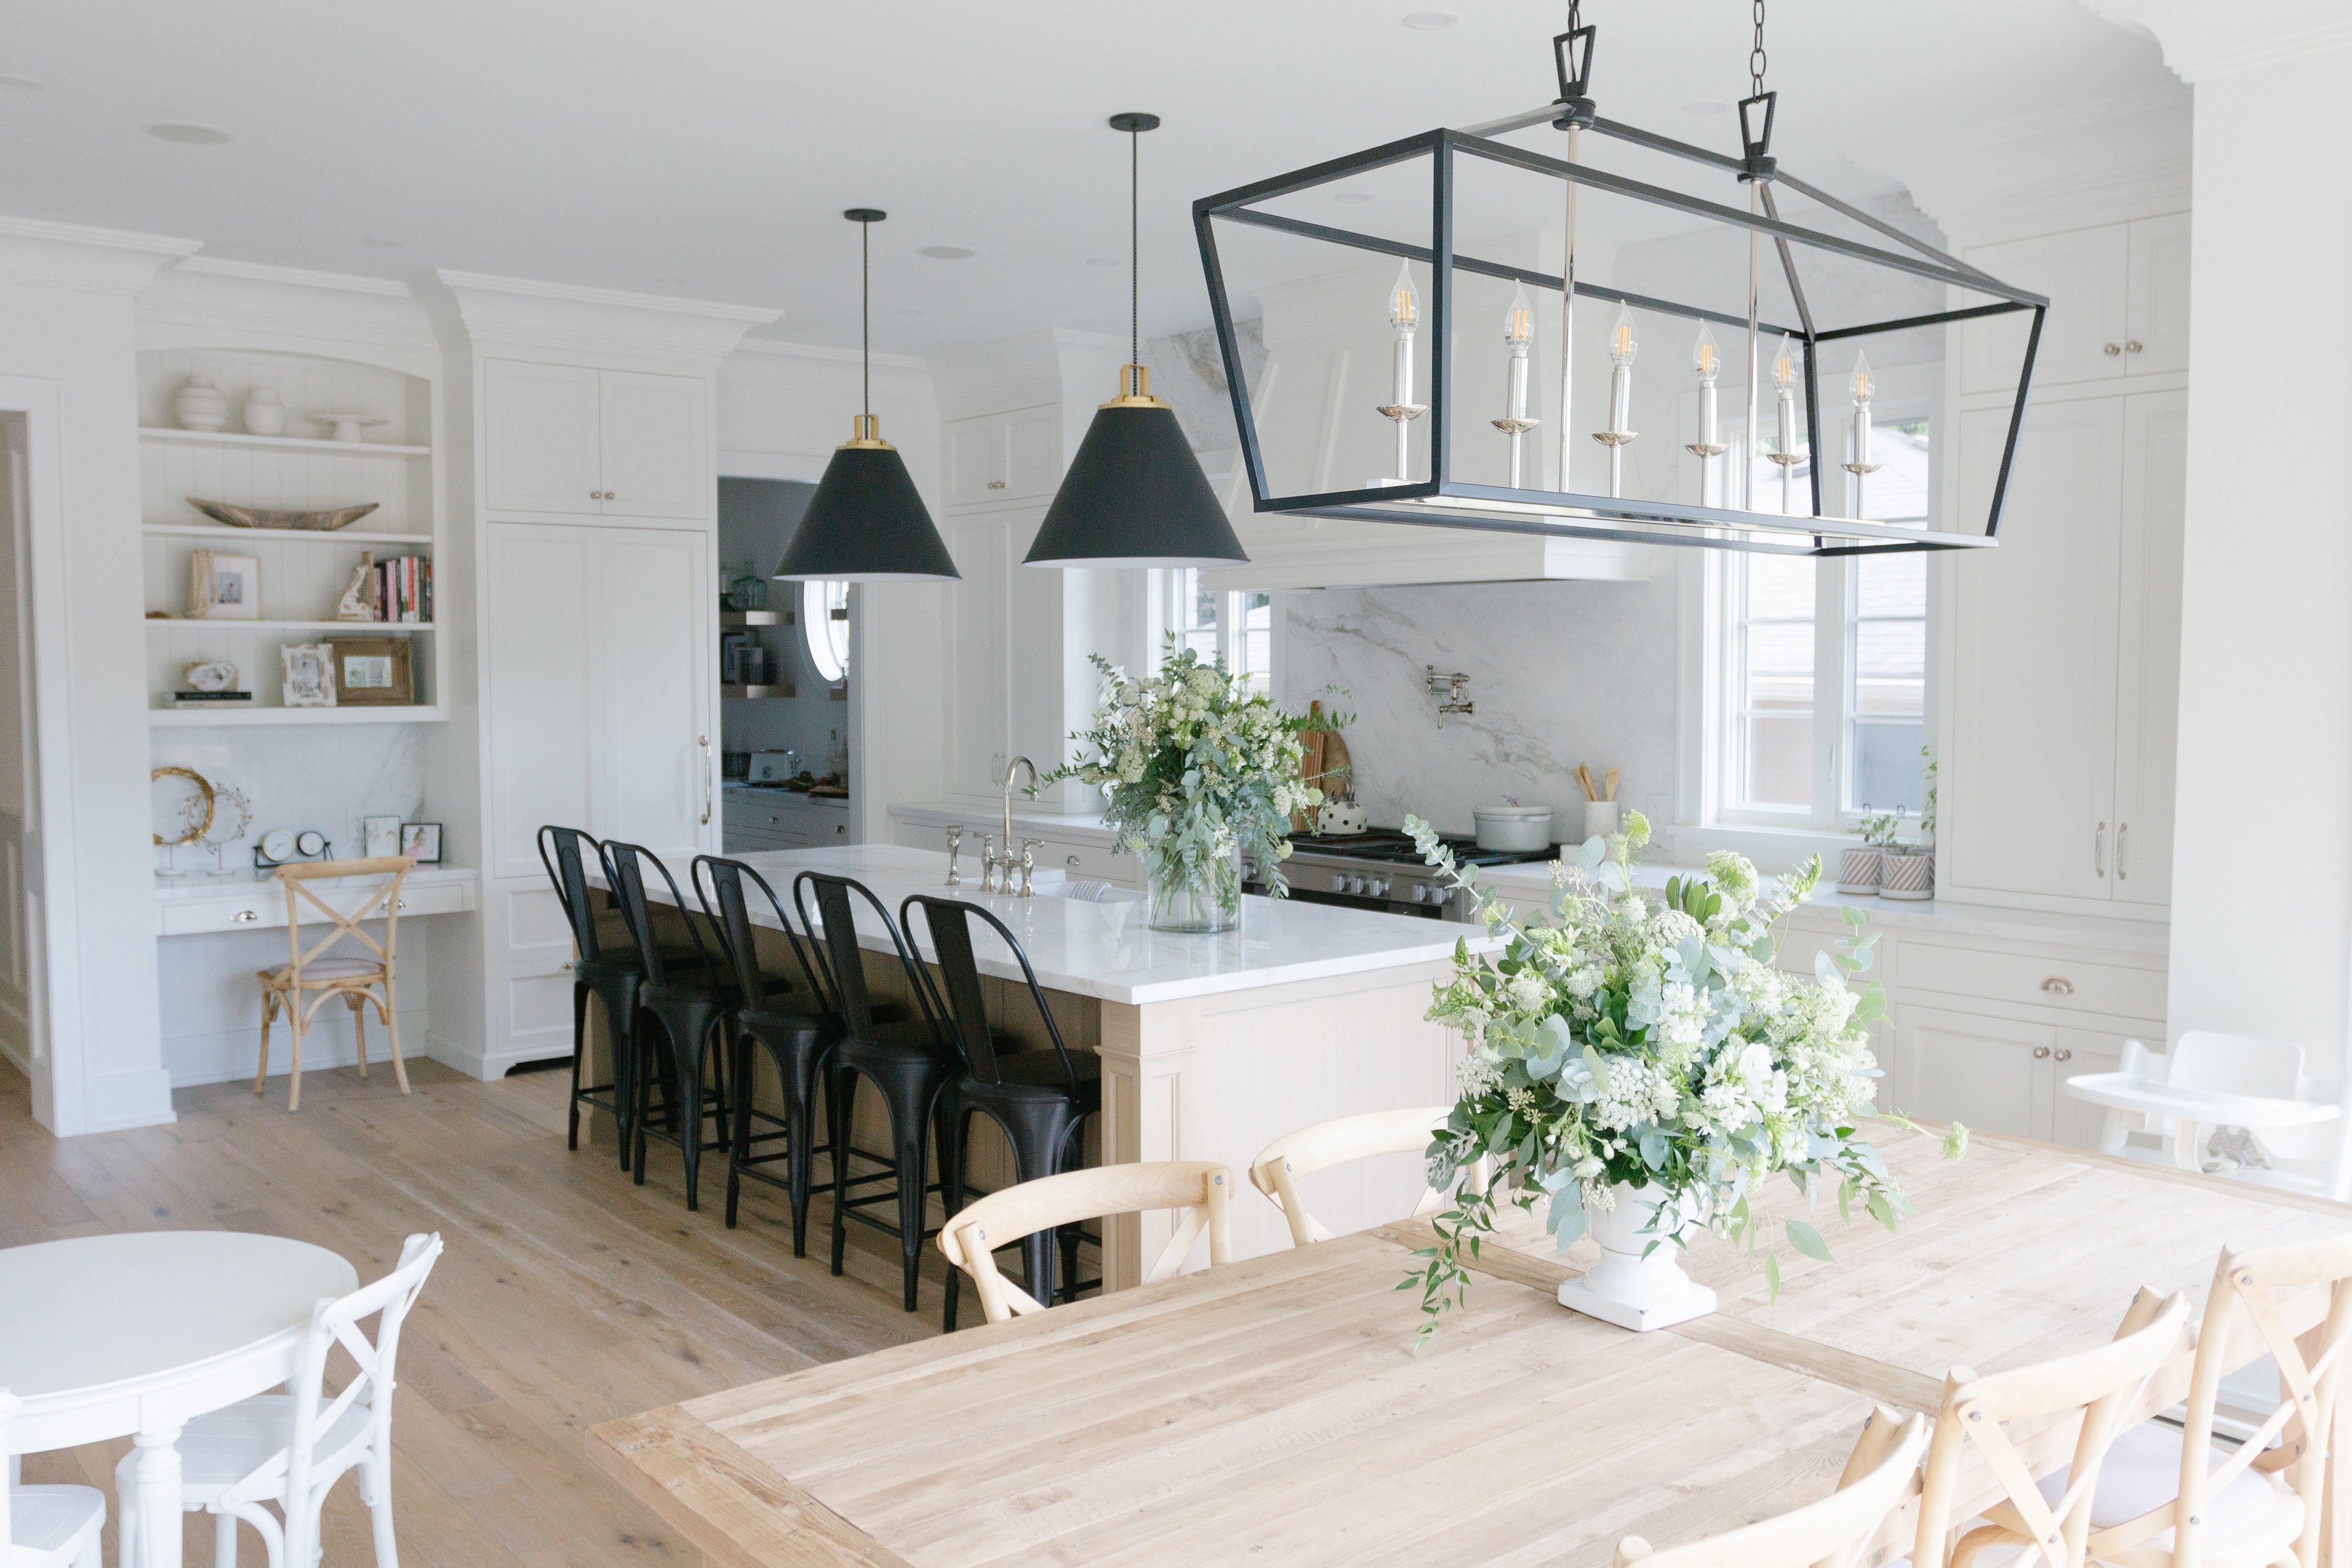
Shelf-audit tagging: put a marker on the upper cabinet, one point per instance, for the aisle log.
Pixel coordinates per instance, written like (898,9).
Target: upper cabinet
(582,441)
(2119,306)
(1003,456)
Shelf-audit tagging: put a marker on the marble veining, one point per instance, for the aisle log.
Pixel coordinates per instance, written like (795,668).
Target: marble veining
(327,779)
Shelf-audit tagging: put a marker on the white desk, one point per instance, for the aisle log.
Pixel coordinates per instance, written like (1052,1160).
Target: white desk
(139,1332)
(193,906)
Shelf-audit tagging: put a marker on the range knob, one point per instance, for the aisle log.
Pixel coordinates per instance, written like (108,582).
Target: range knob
(1421,892)
(1339,883)
(1380,887)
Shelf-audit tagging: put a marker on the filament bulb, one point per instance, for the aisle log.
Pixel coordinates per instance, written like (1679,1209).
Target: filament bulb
(1862,380)
(1519,321)
(1404,305)
(1703,354)
(1623,345)
(1784,365)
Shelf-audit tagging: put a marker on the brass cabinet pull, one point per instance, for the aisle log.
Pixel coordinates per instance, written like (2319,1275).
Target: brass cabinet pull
(243,915)
(2058,985)
(2040,1052)
(2065,1055)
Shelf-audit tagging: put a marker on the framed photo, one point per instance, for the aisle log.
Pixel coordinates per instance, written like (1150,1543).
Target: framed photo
(308,668)
(374,672)
(224,587)
(421,841)
(379,835)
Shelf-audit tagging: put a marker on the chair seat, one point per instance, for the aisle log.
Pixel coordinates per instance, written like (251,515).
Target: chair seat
(1039,1076)
(2253,1519)
(893,1043)
(321,972)
(248,1443)
(59,1520)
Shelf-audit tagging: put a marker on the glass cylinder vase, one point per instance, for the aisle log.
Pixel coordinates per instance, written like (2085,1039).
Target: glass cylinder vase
(1199,897)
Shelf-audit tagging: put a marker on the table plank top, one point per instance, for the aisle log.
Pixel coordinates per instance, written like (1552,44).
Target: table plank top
(1272,1410)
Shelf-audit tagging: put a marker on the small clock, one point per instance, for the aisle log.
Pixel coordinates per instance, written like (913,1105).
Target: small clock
(277,846)
(311,843)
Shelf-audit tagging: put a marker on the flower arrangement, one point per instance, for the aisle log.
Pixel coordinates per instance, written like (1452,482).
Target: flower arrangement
(1625,1046)
(1196,769)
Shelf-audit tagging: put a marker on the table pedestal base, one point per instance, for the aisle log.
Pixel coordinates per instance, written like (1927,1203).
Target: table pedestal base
(1696,1301)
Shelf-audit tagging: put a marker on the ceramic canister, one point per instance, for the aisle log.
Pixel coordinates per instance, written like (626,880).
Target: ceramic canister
(201,405)
(263,415)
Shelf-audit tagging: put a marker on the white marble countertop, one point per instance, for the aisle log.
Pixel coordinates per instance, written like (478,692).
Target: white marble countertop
(1109,949)
(204,889)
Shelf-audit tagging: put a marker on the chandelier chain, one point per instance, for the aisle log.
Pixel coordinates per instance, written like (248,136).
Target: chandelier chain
(1755,57)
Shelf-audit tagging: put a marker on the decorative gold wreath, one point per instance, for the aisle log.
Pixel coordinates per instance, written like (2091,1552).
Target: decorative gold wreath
(201,783)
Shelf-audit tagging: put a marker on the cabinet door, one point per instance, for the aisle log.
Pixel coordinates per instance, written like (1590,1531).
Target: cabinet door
(2147,695)
(979,461)
(1992,1073)
(656,437)
(652,612)
(2084,273)
(978,642)
(2074,1053)
(541,437)
(540,684)
(2028,794)
(2157,306)
(1032,452)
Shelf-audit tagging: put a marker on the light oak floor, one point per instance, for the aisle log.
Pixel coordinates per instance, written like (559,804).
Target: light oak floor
(566,1295)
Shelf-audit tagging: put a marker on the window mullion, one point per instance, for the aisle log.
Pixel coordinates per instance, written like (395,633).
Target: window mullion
(1830,697)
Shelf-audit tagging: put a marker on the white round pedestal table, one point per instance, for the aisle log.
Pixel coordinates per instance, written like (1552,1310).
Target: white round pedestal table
(138,1333)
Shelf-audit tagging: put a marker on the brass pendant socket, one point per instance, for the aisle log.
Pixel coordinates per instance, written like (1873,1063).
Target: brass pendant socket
(1134,389)
(866,430)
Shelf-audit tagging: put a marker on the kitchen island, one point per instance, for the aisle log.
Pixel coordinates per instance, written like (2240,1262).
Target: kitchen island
(1212,1047)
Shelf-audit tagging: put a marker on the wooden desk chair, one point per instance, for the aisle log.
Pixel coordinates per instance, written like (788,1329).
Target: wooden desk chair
(1880,1475)
(2087,1393)
(1199,1188)
(359,982)
(1328,1143)
(2262,1503)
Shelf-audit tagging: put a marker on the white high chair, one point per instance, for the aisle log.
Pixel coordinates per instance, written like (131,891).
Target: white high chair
(45,1527)
(2212,1080)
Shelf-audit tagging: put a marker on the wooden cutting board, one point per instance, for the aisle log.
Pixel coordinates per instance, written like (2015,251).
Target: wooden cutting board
(1312,745)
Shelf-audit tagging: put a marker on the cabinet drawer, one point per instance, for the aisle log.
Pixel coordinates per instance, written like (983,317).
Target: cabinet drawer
(739,841)
(264,908)
(767,817)
(2041,981)
(1090,860)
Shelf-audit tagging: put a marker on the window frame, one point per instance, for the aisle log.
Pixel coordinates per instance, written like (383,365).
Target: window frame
(816,630)
(1230,628)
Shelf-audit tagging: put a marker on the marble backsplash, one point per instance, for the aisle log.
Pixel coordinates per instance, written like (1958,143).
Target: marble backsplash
(1560,673)
(326,778)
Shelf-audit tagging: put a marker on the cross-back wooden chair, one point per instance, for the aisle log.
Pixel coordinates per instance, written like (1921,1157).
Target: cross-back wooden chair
(1199,1188)
(2098,1386)
(1880,1475)
(2262,1503)
(308,980)
(1279,1166)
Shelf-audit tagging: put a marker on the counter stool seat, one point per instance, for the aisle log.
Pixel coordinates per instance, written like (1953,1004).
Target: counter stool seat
(687,1009)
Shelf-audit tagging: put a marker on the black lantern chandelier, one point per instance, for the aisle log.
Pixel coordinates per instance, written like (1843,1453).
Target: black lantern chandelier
(866,523)
(1815,307)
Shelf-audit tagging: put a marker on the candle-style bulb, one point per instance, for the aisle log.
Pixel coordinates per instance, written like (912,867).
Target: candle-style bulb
(1404,305)
(1862,381)
(1784,365)
(1519,321)
(1703,354)
(1622,344)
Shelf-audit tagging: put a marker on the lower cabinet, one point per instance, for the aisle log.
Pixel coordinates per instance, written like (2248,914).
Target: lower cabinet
(2000,1075)
(761,820)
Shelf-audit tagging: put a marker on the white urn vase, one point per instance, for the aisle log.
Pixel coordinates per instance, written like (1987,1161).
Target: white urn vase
(201,405)
(263,415)
(1626,1286)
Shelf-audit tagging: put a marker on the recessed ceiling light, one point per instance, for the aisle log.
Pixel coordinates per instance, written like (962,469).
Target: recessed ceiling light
(1429,21)
(1355,198)
(1706,106)
(20,84)
(1102,261)
(382,244)
(193,136)
(948,252)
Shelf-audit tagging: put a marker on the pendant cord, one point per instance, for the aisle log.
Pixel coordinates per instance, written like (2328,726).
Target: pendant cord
(1135,247)
(866,312)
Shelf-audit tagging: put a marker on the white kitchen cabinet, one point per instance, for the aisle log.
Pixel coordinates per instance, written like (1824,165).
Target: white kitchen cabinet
(2147,666)
(979,649)
(2118,305)
(582,441)
(2000,1075)
(1015,456)
(767,819)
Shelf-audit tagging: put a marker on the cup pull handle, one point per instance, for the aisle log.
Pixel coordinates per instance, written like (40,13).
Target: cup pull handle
(2058,985)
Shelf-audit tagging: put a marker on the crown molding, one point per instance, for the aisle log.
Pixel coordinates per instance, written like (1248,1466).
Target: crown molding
(568,318)
(614,298)
(300,276)
(2202,41)
(78,256)
(777,348)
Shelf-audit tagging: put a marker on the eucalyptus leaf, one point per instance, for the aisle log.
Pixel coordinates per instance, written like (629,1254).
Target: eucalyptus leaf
(1807,1240)
(1591,853)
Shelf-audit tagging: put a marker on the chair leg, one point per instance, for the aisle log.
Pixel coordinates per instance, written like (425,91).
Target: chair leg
(387,1549)
(738,1147)
(357,1004)
(955,1136)
(910,1139)
(841,1101)
(799,1148)
(296,1015)
(690,1131)
(225,1541)
(641,1084)
(269,1012)
(579,1044)
(391,1011)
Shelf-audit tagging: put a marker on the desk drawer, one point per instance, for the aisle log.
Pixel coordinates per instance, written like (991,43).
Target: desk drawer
(2039,980)
(264,908)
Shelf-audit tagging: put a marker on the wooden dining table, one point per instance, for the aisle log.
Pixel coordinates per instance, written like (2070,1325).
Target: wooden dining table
(1275,1411)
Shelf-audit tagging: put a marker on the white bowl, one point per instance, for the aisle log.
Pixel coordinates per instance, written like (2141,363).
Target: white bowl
(1514,826)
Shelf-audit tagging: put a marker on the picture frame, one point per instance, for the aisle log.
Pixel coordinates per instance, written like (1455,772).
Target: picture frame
(379,836)
(224,587)
(374,672)
(421,841)
(308,670)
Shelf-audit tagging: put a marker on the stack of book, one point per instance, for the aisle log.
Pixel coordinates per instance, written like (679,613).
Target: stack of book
(404,588)
(212,700)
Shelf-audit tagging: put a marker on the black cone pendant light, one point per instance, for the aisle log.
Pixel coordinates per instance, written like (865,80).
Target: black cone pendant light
(865,523)
(1135,495)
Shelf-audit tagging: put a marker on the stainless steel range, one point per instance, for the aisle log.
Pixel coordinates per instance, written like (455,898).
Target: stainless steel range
(1381,869)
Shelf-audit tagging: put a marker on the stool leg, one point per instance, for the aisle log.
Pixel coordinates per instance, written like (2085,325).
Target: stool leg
(690,1130)
(910,1128)
(354,1002)
(800,1147)
(641,1084)
(739,1146)
(841,1101)
(579,1044)
(622,1023)
(955,1141)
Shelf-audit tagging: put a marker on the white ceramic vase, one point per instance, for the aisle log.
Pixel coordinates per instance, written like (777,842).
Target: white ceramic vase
(263,415)
(201,405)
(1626,1286)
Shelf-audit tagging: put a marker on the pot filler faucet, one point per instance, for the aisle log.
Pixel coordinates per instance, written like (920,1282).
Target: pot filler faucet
(996,868)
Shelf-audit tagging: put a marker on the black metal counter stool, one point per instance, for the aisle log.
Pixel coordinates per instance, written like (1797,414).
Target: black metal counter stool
(912,1063)
(686,1007)
(1041,1098)
(611,977)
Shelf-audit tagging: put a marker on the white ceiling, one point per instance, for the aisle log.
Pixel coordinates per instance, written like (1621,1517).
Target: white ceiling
(705,148)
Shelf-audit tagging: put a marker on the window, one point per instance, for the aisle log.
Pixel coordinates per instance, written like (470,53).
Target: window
(824,626)
(1237,626)
(1825,663)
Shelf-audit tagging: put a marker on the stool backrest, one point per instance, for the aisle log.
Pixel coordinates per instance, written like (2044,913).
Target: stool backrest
(559,851)
(384,900)
(957,998)
(833,934)
(1880,1475)
(1198,1187)
(1327,1143)
(625,867)
(718,887)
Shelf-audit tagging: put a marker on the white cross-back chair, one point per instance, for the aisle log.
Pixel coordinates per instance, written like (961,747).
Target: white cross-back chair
(2211,1080)
(46,1527)
(292,1449)
(1201,1188)
(1880,1475)
(310,980)
(1277,1170)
